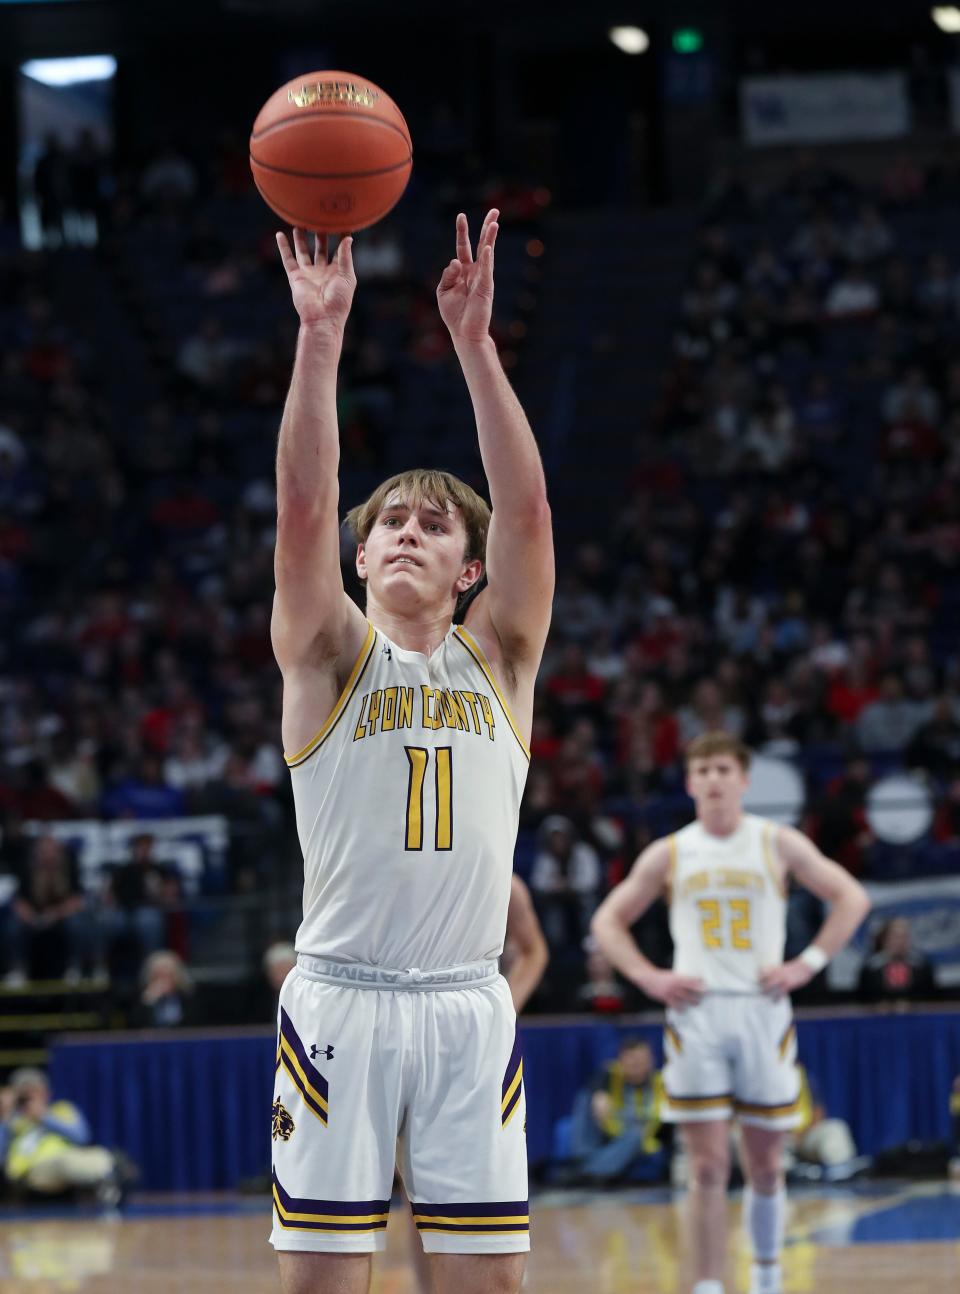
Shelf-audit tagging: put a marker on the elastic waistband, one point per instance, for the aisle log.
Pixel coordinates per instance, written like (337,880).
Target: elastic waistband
(357,975)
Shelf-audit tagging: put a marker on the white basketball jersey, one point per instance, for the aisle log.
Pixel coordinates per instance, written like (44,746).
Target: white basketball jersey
(727,904)
(407,803)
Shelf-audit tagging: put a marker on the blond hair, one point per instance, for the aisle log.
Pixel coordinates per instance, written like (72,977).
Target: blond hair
(718,742)
(426,485)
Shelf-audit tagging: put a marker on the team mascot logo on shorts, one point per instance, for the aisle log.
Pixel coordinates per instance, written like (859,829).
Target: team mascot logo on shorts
(283,1124)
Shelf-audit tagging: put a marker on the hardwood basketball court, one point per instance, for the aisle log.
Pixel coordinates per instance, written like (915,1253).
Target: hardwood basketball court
(872,1239)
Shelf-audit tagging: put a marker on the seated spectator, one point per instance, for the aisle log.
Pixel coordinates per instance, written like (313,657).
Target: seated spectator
(603,993)
(891,722)
(49,929)
(817,1139)
(820,410)
(565,881)
(840,825)
(144,794)
(169,179)
(132,911)
(935,746)
(912,400)
(709,711)
(937,286)
(766,272)
(616,1121)
(166,1001)
(45,1145)
(852,296)
(574,689)
(895,973)
(379,256)
(869,238)
(207,357)
(260,1000)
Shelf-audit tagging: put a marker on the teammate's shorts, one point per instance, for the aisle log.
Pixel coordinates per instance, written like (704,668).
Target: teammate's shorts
(732,1055)
(422,1070)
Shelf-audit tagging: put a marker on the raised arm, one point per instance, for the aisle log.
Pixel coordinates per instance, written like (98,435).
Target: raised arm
(826,879)
(624,905)
(528,946)
(516,604)
(314,627)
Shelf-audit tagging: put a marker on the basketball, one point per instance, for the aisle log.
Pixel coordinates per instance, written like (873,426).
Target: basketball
(331,152)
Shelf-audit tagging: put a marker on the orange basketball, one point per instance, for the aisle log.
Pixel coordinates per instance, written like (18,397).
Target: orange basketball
(331,152)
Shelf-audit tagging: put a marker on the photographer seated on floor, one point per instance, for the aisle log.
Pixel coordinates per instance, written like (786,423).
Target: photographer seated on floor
(821,1148)
(616,1133)
(45,1145)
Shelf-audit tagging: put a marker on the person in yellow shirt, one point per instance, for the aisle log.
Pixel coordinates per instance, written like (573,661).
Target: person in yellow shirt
(616,1121)
(45,1145)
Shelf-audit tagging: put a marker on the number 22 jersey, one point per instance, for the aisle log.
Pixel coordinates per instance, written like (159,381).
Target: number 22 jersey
(407,802)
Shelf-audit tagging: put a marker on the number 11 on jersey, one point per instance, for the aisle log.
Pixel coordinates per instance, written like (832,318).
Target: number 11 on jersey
(418,759)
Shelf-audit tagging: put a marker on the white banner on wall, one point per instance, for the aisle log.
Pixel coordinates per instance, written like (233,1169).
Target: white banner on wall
(822,107)
(933,909)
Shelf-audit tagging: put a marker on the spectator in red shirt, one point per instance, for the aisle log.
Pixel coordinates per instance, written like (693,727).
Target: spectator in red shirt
(573,687)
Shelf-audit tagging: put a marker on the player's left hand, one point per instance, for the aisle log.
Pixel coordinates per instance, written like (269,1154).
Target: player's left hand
(779,980)
(465,292)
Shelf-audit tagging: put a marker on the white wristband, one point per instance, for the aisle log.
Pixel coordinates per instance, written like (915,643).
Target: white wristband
(814,957)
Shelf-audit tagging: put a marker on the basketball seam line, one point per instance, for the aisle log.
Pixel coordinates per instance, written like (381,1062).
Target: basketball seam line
(287,214)
(331,175)
(326,116)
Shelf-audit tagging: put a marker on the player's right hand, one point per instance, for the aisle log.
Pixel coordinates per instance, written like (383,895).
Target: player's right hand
(674,990)
(322,291)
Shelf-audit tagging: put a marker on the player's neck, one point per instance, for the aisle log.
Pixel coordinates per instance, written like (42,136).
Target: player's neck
(420,631)
(722,823)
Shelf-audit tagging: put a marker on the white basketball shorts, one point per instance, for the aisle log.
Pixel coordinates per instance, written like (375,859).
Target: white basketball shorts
(732,1055)
(422,1070)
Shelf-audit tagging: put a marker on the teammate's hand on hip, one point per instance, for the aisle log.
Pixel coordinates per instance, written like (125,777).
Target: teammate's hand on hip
(322,291)
(672,989)
(465,291)
(778,980)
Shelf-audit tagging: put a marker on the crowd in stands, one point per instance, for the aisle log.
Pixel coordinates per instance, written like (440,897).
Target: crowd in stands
(784,564)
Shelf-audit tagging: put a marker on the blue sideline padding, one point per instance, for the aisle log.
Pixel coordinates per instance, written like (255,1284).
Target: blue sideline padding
(193,1108)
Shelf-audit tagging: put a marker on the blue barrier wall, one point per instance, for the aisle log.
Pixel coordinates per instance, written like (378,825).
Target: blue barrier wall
(193,1109)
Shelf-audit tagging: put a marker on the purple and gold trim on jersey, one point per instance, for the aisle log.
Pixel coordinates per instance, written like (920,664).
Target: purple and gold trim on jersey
(328,1215)
(497,1218)
(781,1111)
(512,1083)
(673,1037)
(720,1102)
(308,1080)
(472,647)
(786,1040)
(343,700)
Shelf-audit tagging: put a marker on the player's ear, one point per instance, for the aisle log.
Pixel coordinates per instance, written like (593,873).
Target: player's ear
(469,575)
(361,562)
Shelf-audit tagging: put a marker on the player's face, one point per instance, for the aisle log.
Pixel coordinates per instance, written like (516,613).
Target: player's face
(414,557)
(716,784)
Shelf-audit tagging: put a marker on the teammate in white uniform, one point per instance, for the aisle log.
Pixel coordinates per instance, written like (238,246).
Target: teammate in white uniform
(406,740)
(730,1042)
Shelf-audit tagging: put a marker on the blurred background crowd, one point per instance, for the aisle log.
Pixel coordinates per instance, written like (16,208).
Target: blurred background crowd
(749,410)
(783,560)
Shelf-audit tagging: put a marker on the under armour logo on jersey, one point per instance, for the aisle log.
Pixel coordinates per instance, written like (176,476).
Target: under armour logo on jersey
(387,651)
(315,1049)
